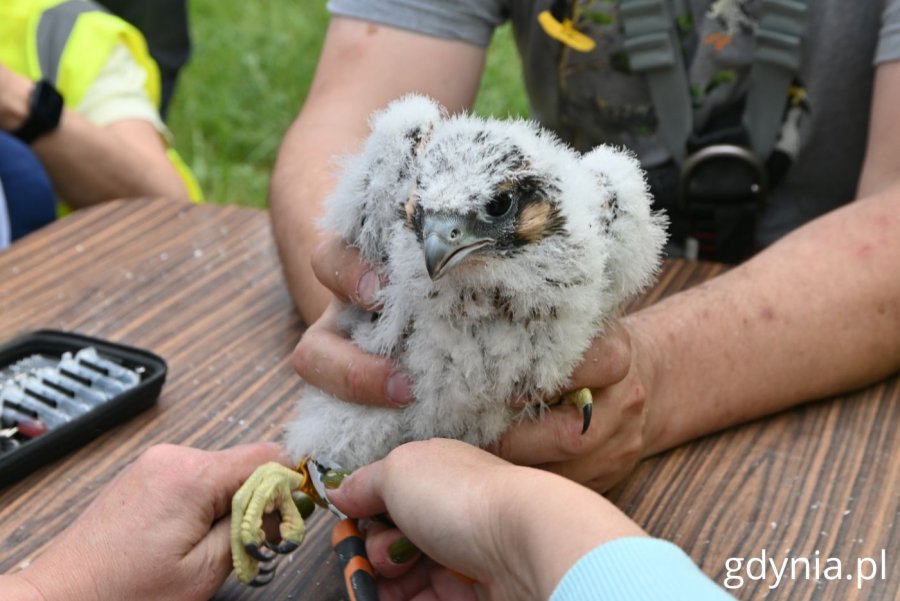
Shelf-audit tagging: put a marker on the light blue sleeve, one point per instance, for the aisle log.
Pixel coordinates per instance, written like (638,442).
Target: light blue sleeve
(4,220)
(637,568)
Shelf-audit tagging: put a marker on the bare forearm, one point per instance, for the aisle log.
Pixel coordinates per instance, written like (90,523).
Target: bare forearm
(302,179)
(362,68)
(90,164)
(540,551)
(816,314)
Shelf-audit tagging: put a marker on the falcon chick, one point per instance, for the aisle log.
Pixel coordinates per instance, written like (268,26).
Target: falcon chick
(505,253)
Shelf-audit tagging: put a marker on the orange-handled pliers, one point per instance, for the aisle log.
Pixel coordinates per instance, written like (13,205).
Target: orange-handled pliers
(348,543)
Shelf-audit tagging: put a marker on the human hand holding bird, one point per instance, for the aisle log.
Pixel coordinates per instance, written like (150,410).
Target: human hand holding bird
(470,513)
(497,255)
(598,458)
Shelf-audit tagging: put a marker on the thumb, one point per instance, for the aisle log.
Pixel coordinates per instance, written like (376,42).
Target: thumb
(229,468)
(360,494)
(606,362)
(556,437)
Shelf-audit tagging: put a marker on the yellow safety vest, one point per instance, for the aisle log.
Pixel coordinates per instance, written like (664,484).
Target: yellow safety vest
(71,49)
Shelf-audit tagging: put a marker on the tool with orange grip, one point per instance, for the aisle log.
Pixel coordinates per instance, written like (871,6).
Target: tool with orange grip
(346,540)
(350,547)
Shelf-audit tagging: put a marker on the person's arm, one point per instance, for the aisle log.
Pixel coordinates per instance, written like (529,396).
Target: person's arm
(90,164)
(517,531)
(482,516)
(363,66)
(158,531)
(882,165)
(127,159)
(816,314)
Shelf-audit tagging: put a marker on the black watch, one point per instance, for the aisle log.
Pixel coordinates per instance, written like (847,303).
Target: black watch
(44,111)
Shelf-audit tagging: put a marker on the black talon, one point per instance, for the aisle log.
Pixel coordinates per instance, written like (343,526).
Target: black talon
(268,567)
(263,579)
(586,412)
(285,547)
(256,553)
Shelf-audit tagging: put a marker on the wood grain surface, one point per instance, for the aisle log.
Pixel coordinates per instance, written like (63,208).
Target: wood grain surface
(201,286)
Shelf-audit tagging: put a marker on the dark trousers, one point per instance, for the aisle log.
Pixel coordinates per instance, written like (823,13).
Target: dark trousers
(29,194)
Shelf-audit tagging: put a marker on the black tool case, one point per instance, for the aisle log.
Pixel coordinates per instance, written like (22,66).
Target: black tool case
(22,455)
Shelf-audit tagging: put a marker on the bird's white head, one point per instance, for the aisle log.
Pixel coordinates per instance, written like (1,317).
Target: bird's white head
(491,201)
(491,196)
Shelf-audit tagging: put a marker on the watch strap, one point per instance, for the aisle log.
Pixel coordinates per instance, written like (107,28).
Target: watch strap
(44,112)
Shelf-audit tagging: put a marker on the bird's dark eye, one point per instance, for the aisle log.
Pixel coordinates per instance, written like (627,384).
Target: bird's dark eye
(500,205)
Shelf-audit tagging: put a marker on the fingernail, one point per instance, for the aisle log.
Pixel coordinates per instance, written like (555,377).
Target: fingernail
(367,289)
(399,389)
(333,478)
(401,550)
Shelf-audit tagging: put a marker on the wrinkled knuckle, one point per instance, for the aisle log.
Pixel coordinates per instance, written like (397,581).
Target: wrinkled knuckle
(579,445)
(158,456)
(402,458)
(620,361)
(570,439)
(301,358)
(169,466)
(621,368)
(624,337)
(635,399)
(359,382)
(319,258)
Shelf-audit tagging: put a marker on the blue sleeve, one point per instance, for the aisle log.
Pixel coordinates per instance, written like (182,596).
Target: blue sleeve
(30,202)
(637,568)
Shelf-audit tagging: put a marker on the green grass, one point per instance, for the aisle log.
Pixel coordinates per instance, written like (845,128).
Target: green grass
(250,71)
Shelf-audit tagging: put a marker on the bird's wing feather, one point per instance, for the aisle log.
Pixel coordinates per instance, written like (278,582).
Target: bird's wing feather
(637,233)
(374,187)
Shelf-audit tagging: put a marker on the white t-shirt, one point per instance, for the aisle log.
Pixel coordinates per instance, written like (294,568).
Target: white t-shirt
(118,93)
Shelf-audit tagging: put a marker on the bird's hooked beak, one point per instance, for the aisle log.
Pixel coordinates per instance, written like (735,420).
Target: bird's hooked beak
(448,240)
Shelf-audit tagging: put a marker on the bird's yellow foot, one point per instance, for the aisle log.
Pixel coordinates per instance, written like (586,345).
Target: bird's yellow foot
(584,401)
(271,488)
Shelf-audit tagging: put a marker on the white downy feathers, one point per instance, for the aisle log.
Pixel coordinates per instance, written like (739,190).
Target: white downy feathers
(556,241)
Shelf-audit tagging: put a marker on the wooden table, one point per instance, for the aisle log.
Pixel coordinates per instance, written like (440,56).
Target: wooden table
(201,286)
